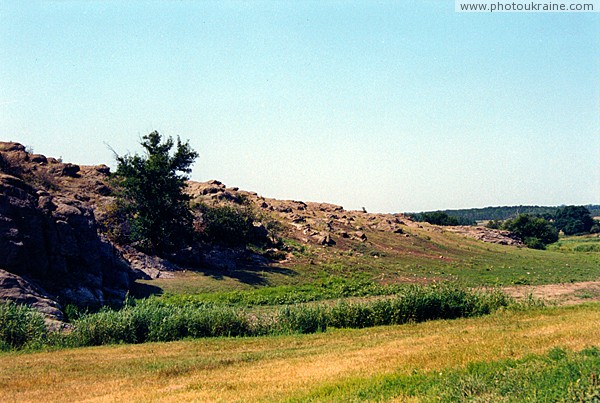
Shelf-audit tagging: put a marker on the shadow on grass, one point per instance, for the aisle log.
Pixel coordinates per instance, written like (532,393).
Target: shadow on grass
(248,274)
(239,264)
(219,264)
(142,290)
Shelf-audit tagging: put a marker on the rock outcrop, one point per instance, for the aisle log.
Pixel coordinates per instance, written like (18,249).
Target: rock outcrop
(22,291)
(53,215)
(51,237)
(489,235)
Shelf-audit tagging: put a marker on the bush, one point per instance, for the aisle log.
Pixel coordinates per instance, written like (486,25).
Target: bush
(494,224)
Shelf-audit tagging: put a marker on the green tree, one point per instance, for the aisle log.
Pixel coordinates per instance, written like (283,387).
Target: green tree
(442,218)
(573,220)
(152,199)
(535,232)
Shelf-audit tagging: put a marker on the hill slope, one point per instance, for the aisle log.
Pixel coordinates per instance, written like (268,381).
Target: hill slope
(53,236)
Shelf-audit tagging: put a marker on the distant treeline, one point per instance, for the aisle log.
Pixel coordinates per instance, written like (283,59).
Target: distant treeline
(471,216)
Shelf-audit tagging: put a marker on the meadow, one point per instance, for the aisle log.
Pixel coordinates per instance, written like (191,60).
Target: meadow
(353,325)
(429,256)
(546,354)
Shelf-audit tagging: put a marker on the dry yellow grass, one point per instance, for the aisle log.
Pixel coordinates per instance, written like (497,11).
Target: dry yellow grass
(274,368)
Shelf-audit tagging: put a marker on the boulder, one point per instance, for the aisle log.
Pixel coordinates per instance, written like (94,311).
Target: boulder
(21,291)
(38,158)
(146,266)
(325,240)
(102,169)
(69,169)
(361,236)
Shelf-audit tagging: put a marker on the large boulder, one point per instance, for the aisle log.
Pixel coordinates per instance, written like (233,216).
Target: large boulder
(16,288)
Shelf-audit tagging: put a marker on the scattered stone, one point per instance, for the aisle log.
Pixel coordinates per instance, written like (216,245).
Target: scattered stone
(485,234)
(325,240)
(360,235)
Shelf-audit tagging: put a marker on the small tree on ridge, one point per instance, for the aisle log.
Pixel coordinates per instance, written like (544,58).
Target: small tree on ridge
(152,197)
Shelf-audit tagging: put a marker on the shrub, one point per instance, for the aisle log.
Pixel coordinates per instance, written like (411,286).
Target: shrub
(494,224)
(535,232)
(237,225)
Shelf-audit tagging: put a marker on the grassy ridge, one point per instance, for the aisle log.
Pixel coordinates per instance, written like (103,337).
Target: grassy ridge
(428,255)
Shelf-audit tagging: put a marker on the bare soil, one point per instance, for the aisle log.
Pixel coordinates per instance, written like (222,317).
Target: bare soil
(560,294)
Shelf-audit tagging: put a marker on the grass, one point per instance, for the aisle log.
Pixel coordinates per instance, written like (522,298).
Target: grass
(156,320)
(337,365)
(578,243)
(426,256)
(21,327)
(558,375)
(322,289)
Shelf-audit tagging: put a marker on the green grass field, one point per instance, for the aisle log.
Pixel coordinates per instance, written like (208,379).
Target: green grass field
(426,257)
(547,354)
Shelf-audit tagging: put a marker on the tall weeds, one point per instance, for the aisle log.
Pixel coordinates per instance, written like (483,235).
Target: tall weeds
(21,327)
(153,320)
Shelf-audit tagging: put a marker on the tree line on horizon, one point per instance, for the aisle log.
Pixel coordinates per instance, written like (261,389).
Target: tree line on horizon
(534,230)
(474,215)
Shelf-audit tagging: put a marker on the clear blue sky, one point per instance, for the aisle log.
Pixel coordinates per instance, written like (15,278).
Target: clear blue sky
(394,106)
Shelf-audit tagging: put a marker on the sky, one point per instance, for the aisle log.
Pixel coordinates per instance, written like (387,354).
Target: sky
(394,106)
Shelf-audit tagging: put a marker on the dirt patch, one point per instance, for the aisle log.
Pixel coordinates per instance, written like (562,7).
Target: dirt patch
(561,294)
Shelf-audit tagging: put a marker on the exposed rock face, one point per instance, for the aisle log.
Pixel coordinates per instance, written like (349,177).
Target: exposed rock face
(52,239)
(148,267)
(51,249)
(21,291)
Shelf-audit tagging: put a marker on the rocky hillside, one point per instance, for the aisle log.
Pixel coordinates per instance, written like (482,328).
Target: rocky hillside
(53,217)
(50,247)
(331,225)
